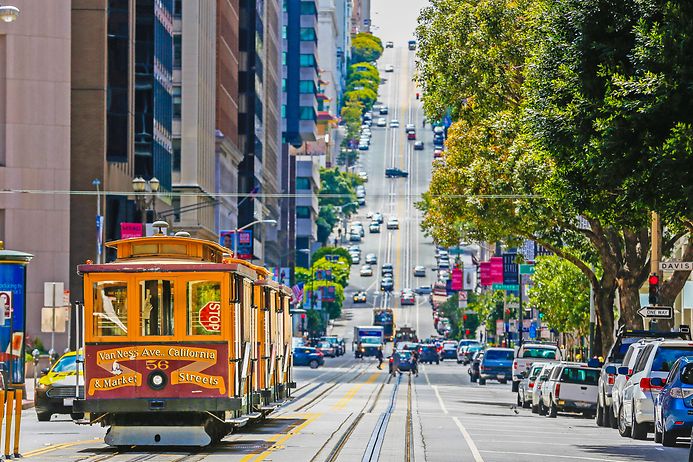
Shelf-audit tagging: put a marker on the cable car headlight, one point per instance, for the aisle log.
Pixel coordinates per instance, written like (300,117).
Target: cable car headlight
(157,380)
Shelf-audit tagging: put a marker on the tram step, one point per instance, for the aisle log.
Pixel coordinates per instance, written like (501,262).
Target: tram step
(238,421)
(268,409)
(82,422)
(254,415)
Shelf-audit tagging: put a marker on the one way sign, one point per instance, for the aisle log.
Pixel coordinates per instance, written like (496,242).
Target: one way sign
(656,312)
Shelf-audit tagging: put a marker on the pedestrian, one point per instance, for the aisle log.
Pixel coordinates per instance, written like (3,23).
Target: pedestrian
(379,357)
(395,364)
(415,362)
(423,124)
(359,353)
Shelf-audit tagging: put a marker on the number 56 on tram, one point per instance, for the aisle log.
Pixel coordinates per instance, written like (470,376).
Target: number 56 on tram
(182,344)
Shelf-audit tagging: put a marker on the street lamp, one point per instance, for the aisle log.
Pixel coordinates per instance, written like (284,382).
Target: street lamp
(238,230)
(143,200)
(341,210)
(9,13)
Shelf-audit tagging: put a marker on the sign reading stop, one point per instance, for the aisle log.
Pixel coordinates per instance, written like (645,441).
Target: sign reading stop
(210,316)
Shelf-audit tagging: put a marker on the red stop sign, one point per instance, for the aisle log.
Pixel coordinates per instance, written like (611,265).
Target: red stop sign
(210,316)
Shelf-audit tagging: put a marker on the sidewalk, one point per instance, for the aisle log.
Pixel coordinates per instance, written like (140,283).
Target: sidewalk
(28,398)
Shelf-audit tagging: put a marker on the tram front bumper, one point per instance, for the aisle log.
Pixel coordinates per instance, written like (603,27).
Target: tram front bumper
(124,406)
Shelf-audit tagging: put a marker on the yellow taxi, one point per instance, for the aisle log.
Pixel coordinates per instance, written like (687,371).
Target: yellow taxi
(55,390)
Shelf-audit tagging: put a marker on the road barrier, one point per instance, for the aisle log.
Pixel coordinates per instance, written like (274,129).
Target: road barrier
(11,399)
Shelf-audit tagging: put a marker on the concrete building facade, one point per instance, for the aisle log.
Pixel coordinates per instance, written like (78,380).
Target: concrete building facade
(35,147)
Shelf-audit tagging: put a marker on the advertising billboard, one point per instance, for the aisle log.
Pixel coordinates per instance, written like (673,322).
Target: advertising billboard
(244,244)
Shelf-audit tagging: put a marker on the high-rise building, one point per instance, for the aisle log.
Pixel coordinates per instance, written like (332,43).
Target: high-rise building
(299,126)
(259,123)
(121,116)
(35,149)
(194,119)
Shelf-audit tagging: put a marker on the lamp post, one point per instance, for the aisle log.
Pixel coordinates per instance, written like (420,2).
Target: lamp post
(341,210)
(99,220)
(9,13)
(238,230)
(145,196)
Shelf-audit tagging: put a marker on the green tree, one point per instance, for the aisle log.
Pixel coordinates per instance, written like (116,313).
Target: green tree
(341,252)
(363,71)
(351,117)
(357,84)
(365,96)
(561,292)
(366,47)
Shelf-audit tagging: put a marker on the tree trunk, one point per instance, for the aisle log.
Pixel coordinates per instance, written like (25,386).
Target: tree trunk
(604,307)
(629,297)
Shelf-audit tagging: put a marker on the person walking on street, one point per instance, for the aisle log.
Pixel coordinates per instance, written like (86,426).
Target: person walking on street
(415,362)
(379,357)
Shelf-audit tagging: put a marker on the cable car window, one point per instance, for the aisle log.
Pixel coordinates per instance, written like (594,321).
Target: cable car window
(204,308)
(156,308)
(110,309)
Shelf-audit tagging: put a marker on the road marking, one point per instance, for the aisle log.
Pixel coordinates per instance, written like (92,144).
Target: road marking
(281,438)
(55,447)
(554,456)
(440,400)
(341,404)
(469,440)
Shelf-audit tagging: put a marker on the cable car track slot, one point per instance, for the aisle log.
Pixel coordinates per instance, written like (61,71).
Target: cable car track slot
(375,442)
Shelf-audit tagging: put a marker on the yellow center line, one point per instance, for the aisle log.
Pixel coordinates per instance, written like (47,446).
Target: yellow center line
(280,438)
(341,404)
(404,99)
(55,447)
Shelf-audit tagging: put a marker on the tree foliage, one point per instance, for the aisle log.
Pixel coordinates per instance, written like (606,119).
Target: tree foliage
(366,47)
(561,293)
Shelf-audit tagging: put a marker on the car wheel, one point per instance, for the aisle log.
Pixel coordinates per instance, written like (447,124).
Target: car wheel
(610,418)
(314,364)
(482,381)
(668,439)
(657,435)
(44,416)
(623,428)
(459,362)
(437,362)
(77,415)
(516,385)
(504,382)
(600,415)
(553,411)
(638,431)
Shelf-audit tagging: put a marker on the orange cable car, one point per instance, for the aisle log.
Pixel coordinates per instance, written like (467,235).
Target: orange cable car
(182,344)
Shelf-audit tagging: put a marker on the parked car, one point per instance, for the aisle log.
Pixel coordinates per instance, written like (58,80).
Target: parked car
(387,269)
(327,349)
(537,406)
(524,391)
(354,237)
(55,391)
(359,297)
(387,284)
(419,271)
(621,375)
(496,365)
(366,270)
(571,387)
(419,146)
(465,352)
(395,173)
(449,350)
(337,342)
(389,68)
(475,365)
(393,223)
(371,259)
(437,153)
(355,258)
(636,415)
(529,353)
(307,356)
(606,414)
(428,354)
(673,417)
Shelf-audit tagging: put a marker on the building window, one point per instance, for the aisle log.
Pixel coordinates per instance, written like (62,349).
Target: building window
(175,205)
(307,34)
(177,51)
(178,8)
(175,144)
(283,111)
(177,102)
(302,182)
(283,58)
(308,8)
(302,212)
(306,113)
(156,308)
(306,86)
(284,32)
(307,60)
(283,85)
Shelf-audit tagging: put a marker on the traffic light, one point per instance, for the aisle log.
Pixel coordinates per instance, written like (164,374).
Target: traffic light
(654,289)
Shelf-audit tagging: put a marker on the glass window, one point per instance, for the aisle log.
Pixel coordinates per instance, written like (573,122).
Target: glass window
(283,32)
(307,33)
(544,353)
(499,355)
(306,86)
(641,361)
(579,375)
(306,113)
(177,101)
(177,51)
(156,307)
(667,356)
(110,309)
(307,60)
(302,182)
(687,374)
(302,212)
(284,59)
(65,364)
(283,111)
(308,8)
(204,308)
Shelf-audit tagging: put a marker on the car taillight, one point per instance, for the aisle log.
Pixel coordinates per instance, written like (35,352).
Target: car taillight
(481,368)
(610,379)
(514,364)
(320,353)
(420,350)
(558,390)
(676,393)
(646,385)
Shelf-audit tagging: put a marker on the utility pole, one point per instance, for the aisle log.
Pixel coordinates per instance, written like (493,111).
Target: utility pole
(656,249)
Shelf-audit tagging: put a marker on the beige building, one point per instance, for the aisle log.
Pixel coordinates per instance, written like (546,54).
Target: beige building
(35,145)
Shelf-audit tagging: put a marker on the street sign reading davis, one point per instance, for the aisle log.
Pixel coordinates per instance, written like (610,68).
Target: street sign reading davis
(676,266)
(656,312)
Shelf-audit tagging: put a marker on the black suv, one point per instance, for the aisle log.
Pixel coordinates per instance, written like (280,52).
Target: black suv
(395,173)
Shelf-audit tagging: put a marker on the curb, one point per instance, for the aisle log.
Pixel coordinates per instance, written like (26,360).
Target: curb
(26,404)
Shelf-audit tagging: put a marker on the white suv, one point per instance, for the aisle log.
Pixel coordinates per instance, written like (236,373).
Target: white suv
(529,353)
(636,415)
(623,373)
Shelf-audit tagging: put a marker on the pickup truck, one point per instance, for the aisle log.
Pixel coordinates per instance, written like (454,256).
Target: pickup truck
(606,412)
(571,387)
(529,353)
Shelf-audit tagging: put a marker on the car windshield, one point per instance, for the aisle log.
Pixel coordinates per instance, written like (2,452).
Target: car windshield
(383,317)
(538,352)
(580,375)
(450,346)
(324,345)
(404,354)
(667,356)
(499,354)
(66,364)
(618,355)
(535,372)
(370,340)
